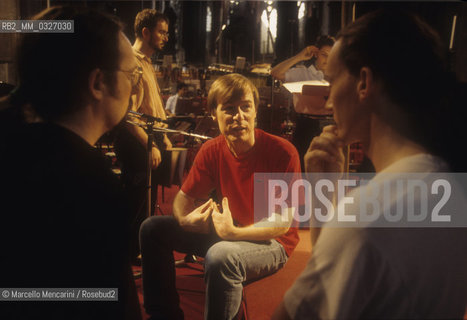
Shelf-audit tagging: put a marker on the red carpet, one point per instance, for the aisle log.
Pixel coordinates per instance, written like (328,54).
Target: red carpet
(190,285)
(261,296)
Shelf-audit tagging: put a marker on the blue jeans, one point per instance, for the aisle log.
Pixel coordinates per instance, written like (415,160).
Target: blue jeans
(227,265)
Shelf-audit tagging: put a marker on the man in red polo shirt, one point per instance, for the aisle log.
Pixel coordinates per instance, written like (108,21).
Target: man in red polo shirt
(234,245)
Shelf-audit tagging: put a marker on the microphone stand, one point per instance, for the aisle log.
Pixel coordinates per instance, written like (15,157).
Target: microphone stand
(149,128)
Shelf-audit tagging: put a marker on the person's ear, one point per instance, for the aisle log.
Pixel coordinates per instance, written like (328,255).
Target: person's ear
(365,84)
(214,113)
(146,33)
(96,84)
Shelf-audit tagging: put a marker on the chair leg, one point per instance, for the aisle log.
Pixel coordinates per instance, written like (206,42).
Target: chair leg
(157,208)
(189,258)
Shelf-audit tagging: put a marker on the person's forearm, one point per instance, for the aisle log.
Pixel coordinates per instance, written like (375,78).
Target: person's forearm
(139,133)
(182,205)
(192,218)
(257,233)
(265,229)
(279,70)
(168,113)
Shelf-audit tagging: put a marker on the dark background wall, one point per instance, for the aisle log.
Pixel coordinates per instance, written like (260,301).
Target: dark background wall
(242,34)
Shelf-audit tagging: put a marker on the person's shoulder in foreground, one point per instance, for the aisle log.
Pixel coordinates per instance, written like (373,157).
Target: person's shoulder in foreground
(69,212)
(391,272)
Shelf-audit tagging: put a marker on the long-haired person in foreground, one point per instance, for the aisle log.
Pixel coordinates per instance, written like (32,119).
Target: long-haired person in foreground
(403,107)
(63,218)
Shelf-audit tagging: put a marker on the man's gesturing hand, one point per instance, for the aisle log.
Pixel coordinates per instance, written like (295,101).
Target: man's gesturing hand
(223,222)
(198,219)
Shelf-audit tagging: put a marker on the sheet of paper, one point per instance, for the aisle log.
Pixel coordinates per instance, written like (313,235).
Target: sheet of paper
(296,87)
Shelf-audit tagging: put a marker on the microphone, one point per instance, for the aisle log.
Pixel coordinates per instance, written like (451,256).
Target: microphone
(147,117)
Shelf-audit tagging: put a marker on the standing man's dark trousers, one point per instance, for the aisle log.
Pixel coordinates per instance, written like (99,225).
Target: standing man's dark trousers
(133,159)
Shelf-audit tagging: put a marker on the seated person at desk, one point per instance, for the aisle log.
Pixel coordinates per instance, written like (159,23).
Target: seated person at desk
(236,248)
(179,109)
(309,119)
(382,269)
(171,105)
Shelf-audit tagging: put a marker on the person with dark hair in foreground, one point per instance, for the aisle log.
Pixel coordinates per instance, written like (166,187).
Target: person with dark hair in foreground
(237,246)
(394,273)
(64,218)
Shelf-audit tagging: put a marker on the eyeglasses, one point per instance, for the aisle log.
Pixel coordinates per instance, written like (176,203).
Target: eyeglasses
(163,33)
(134,76)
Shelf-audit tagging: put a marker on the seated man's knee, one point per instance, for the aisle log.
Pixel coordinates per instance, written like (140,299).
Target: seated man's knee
(221,259)
(155,227)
